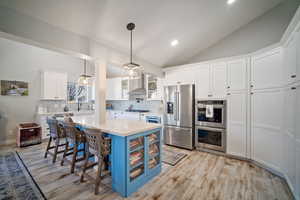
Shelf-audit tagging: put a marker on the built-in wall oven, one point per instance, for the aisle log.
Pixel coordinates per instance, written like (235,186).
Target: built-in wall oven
(210,138)
(210,125)
(211,113)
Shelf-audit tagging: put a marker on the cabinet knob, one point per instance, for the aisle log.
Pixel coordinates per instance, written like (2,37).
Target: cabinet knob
(228,87)
(293,76)
(293,88)
(210,95)
(228,93)
(251,93)
(251,86)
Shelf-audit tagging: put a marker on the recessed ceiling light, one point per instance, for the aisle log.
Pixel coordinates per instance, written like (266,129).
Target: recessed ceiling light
(229,2)
(174,43)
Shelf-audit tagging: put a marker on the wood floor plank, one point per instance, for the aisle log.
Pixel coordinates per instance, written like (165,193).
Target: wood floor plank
(200,175)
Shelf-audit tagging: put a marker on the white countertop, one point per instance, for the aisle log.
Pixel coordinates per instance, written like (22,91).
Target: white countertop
(117,127)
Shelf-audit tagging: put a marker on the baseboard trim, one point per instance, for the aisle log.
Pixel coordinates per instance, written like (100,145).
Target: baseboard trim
(258,164)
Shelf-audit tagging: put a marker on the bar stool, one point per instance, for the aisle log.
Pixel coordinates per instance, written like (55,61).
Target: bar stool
(57,134)
(99,146)
(75,139)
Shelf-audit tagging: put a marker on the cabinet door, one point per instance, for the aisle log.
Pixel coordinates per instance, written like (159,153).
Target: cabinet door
(236,131)
(110,89)
(61,85)
(48,85)
(237,74)
(218,80)
(298,55)
(202,79)
(266,119)
(114,89)
(266,70)
(291,60)
(297,140)
(125,88)
(182,76)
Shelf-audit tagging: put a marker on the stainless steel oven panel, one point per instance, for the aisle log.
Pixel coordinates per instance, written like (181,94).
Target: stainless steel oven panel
(209,146)
(211,124)
(180,137)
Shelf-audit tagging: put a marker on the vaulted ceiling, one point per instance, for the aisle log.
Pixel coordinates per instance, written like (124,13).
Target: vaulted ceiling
(196,24)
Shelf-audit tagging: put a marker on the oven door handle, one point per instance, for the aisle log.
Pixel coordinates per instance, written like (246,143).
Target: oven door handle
(209,128)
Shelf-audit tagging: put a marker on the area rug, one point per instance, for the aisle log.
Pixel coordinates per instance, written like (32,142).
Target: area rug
(171,157)
(16,182)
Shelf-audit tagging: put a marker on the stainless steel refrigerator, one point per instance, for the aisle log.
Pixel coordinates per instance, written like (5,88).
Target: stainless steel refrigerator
(179,103)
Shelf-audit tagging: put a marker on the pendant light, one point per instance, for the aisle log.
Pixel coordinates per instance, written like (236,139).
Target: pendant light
(84,79)
(132,68)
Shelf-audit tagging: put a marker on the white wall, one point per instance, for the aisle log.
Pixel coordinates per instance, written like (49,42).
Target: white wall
(24,63)
(261,32)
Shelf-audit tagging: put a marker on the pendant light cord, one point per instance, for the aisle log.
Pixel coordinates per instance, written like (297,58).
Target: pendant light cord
(131,46)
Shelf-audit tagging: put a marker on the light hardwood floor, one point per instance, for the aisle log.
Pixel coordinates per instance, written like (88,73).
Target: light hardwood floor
(199,176)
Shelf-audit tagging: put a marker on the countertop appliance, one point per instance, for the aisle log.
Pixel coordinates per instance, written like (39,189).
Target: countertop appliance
(210,125)
(179,102)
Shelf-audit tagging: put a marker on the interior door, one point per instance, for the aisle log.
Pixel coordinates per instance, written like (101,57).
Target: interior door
(185,106)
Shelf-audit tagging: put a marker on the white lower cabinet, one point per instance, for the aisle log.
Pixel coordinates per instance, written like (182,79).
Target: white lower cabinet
(297,190)
(236,124)
(266,123)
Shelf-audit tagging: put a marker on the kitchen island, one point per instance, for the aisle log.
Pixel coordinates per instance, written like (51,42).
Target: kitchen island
(135,152)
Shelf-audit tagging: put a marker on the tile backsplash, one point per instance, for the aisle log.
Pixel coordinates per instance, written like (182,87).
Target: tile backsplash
(58,106)
(153,106)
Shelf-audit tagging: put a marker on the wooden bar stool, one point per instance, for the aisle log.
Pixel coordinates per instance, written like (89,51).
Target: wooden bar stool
(75,139)
(56,134)
(99,146)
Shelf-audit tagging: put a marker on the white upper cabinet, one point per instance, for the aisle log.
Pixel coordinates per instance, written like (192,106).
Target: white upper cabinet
(218,80)
(154,87)
(180,76)
(298,56)
(202,82)
(54,85)
(210,81)
(237,75)
(266,70)
(236,124)
(266,127)
(114,89)
(290,60)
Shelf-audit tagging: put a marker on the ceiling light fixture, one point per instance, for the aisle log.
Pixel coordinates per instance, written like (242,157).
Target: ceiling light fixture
(131,67)
(174,43)
(229,2)
(84,79)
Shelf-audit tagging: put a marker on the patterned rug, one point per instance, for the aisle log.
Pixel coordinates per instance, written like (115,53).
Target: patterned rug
(16,182)
(171,157)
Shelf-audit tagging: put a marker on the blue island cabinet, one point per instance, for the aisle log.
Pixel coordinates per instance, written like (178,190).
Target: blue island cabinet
(135,160)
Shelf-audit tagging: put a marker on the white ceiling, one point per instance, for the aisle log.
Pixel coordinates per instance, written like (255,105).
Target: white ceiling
(197,24)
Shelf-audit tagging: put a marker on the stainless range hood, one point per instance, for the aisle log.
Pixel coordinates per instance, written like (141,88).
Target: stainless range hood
(137,88)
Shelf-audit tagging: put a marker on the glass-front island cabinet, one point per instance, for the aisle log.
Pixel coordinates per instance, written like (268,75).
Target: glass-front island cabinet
(135,159)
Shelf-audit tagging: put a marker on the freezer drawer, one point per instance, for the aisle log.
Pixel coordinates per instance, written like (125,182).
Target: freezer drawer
(180,137)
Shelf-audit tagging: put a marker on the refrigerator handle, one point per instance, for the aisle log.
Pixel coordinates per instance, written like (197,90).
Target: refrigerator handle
(178,106)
